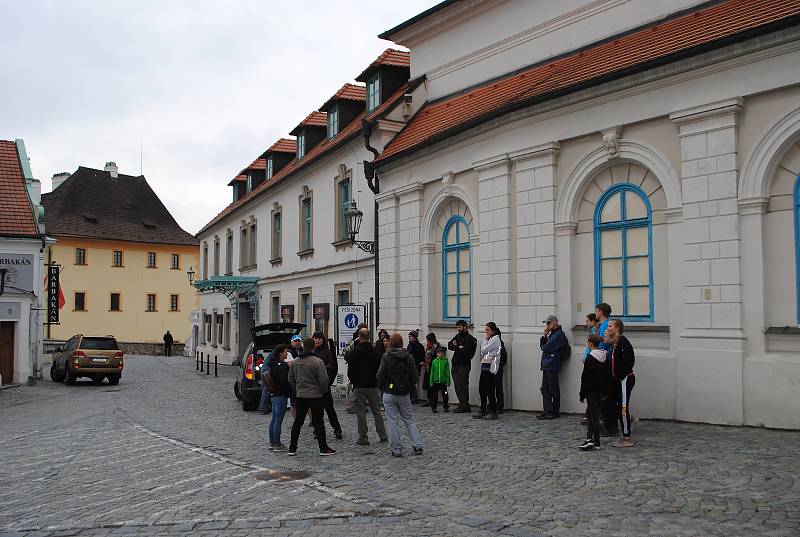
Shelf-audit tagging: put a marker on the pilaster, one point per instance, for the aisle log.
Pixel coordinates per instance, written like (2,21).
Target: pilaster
(409,261)
(387,252)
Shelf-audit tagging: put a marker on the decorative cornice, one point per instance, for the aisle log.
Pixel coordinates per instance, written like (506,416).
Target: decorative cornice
(409,189)
(492,162)
(674,214)
(709,110)
(427,248)
(565,228)
(546,152)
(756,205)
(388,125)
(385,197)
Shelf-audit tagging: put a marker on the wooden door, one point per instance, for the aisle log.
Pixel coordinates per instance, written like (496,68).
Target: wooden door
(7,351)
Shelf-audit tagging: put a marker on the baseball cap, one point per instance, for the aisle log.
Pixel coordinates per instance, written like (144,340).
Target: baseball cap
(296,338)
(550,318)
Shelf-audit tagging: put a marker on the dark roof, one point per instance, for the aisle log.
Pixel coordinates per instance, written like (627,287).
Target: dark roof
(639,50)
(416,18)
(391,58)
(90,203)
(16,213)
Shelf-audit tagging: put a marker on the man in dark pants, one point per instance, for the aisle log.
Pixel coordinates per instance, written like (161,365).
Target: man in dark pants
(608,405)
(463,346)
(309,381)
(168,344)
(323,352)
(552,343)
(416,350)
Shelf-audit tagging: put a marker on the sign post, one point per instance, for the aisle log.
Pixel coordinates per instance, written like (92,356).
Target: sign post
(348,317)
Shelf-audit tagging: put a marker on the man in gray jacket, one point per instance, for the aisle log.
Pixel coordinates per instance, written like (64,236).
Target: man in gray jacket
(309,381)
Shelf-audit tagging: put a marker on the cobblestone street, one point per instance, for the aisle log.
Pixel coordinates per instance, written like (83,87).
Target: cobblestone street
(169,451)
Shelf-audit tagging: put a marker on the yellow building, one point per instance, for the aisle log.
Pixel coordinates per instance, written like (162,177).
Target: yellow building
(123,258)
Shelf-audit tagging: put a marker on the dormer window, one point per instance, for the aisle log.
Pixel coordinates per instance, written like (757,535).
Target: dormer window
(333,121)
(373,92)
(269,167)
(301,145)
(249,182)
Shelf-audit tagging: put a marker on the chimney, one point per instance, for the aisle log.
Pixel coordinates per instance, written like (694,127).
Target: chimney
(111,168)
(59,178)
(34,190)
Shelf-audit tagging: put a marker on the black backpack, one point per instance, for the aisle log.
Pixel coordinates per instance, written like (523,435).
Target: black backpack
(566,351)
(397,379)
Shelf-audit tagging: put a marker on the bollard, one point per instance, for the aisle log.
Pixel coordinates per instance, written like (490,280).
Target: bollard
(196,360)
(201,362)
(215,365)
(208,364)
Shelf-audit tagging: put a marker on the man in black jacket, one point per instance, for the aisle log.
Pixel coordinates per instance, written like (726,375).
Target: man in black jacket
(362,370)
(463,346)
(416,350)
(168,344)
(323,352)
(622,378)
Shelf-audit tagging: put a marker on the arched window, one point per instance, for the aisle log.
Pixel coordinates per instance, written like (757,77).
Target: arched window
(623,252)
(797,241)
(456,286)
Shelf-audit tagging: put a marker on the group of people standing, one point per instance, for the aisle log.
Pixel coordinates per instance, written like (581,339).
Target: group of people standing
(386,376)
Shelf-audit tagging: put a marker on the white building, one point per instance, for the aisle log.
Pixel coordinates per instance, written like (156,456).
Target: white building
(641,153)
(22,242)
(280,251)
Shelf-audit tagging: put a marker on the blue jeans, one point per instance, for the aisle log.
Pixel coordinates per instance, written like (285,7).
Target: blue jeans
(264,405)
(398,407)
(279,404)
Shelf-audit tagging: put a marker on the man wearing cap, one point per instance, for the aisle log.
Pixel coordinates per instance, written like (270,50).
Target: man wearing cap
(552,343)
(296,349)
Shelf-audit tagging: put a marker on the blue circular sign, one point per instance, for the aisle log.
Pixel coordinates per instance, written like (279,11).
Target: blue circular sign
(351,320)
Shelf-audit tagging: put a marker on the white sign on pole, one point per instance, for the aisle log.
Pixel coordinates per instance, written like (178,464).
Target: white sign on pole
(348,319)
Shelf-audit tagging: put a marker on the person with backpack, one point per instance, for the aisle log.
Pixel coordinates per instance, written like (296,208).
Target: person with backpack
(555,348)
(439,380)
(397,376)
(276,379)
(491,358)
(362,373)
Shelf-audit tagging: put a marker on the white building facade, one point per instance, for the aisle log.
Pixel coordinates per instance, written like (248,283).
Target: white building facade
(655,169)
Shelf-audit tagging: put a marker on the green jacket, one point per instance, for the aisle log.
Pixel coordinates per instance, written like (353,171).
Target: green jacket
(440,371)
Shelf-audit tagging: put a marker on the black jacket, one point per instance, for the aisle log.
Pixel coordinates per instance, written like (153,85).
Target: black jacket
(463,357)
(417,351)
(595,378)
(393,360)
(331,363)
(279,374)
(622,358)
(363,365)
(168,339)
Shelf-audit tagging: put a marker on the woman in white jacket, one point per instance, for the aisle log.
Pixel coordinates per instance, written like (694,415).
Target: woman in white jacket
(491,349)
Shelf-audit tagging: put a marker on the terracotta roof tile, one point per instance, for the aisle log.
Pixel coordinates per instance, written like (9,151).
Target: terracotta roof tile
(16,213)
(318,151)
(348,92)
(438,119)
(283,145)
(314,119)
(258,164)
(389,57)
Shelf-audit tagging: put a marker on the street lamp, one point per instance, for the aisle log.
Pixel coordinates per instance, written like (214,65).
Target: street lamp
(353,219)
(190,275)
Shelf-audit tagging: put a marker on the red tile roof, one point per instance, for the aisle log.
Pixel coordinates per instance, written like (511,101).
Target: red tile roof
(314,119)
(258,164)
(348,92)
(16,213)
(445,117)
(353,129)
(389,57)
(283,145)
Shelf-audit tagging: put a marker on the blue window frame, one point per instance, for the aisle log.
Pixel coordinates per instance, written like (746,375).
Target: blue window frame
(333,121)
(456,283)
(623,248)
(373,92)
(797,240)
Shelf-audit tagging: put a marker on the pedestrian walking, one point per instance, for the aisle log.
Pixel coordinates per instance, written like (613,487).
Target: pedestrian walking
(276,378)
(622,377)
(323,352)
(608,405)
(553,344)
(594,385)
(431,346)
(417,351)
(439,380)
(362,372)
(397,375)
(463,346)
(309,380)
(491,349)
(168,344)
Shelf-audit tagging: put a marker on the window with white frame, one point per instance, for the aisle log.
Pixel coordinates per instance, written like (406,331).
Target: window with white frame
(269,167)
(456,285)
(306,222)
(243,262)
(301,145)
(229,253)
(333,121)
(623,252)
(277,234)
(373,92)
(253,243)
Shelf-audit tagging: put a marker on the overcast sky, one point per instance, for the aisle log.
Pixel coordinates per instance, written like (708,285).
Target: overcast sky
(203,86)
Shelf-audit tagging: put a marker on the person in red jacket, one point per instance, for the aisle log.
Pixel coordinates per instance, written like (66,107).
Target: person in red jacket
(622,359)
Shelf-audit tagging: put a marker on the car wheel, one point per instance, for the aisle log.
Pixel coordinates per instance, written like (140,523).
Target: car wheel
(70,377)
(54,376)
(236,391)
(113,379)
(97,380)
(247,405)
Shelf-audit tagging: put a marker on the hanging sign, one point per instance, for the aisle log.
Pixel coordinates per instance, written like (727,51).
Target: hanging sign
(52,294)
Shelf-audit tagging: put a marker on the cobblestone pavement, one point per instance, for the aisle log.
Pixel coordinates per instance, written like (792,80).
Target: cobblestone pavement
(170,452)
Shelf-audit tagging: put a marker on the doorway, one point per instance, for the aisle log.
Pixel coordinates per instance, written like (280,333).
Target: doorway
(7,351)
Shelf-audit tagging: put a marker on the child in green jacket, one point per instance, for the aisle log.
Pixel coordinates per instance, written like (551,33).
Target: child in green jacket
(439,379)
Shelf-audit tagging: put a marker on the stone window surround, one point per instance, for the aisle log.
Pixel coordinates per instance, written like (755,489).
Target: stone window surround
(308,194)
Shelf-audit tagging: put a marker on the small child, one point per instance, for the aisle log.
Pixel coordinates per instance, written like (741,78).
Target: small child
(594,385)
(439,379)
(591,326)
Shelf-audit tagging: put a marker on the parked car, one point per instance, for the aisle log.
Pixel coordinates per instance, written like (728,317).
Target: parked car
(96,357)
(247,387)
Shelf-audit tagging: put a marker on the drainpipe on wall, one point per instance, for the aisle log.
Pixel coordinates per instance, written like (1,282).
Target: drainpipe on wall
(372,182)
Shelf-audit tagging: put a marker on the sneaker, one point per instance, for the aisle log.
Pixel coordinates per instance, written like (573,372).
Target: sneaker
(586,442)
(397,453)
(545,417)
(292,452)
(362,442)
(272,447)
(280,448)
(625,442)
(327,452)
(589,445)
(479,416)
(418,451)
(490,416)
(383,409)
(338,435)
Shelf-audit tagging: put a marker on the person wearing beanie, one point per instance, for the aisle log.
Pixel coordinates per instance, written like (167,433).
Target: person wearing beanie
(417,351)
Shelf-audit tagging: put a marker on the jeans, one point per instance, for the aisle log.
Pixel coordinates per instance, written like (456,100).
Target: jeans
(551,393)
(265,404)
(486,388)
(399,406)
(433,395)
(364,397)
(461,385)
(302,406)
(593,417)
(279,404)
(330,410)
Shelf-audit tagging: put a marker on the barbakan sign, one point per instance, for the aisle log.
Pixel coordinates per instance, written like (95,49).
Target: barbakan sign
(18,272)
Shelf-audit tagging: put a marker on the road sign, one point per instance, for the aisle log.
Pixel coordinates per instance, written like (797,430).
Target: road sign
(348,317)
